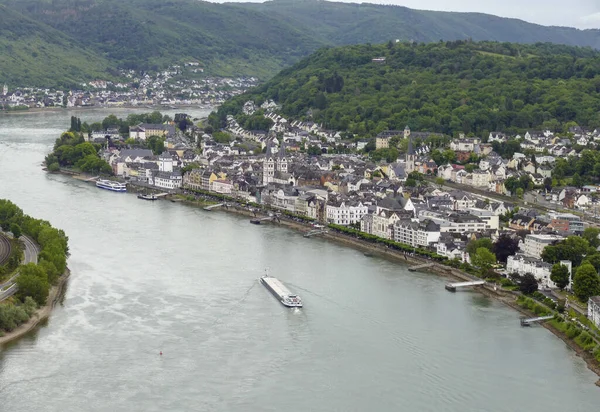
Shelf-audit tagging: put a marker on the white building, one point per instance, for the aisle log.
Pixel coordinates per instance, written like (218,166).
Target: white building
(415,233)
(165,162)
(594,310)
(535,244)
(522,265)
(166,180)
(345,212)
(491,220)
(222,186)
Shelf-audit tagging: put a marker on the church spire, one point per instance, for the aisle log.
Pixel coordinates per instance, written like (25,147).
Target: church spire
(411,150)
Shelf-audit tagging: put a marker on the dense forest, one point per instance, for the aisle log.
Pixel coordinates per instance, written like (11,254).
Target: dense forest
(447,87)
(62,42)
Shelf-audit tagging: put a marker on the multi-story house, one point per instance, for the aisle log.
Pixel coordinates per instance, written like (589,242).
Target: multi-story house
(345,212)
(415,233)
(594,310)
(535,244)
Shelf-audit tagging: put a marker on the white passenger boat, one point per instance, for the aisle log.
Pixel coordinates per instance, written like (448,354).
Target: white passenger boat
(111,185)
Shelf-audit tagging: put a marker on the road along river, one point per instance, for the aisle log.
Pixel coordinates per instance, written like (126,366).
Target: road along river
(158,276)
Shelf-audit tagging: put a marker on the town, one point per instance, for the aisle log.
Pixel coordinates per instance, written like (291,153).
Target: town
(442,195)
(175,86)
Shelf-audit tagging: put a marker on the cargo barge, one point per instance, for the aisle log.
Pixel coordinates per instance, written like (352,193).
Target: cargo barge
(281,292)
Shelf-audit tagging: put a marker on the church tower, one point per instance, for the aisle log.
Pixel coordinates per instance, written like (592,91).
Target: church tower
(282,162)
(5,90)
(406,132)
(268,165)
(410,157)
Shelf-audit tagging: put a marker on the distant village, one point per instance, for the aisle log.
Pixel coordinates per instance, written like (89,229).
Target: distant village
(167,88)
(391,200)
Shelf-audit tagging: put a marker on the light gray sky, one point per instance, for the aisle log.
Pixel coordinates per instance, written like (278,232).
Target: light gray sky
(582,14)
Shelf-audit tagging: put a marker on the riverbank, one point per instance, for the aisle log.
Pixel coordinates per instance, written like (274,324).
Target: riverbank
(32,110)
(41,314)
(377,249)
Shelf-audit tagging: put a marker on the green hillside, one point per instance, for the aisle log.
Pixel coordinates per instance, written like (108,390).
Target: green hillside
(446,87)
(50,41)
(35,54)
(353,23)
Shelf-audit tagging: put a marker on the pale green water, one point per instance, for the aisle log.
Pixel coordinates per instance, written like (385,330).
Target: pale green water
(160,276)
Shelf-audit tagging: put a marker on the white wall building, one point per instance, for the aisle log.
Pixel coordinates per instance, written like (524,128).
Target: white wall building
(535,244)
(415,233)
(594,310)
(345,212)
(522,265)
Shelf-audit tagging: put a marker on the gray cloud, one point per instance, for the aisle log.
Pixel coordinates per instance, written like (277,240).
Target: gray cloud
(574,13)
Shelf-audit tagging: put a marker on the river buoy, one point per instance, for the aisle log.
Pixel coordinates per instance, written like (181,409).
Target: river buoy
(160,353)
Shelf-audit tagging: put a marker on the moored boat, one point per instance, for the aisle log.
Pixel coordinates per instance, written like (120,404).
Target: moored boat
(147,197)
(111,185)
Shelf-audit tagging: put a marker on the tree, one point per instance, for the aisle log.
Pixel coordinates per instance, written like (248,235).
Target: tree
(473,245)
(156,144)
(33,281)
(560,275)
(15,229)
(410,182)
(520,192)
(586,282)
(593,260)
(504,247)
(314,150)
(591,235)
(573,248)
(528,284)
(439,181)
(483,259)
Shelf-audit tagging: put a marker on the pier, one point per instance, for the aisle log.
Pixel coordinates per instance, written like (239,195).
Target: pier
(530,321)
(315,232)
(453,286)
(211,207)
(258,221)
(420,267)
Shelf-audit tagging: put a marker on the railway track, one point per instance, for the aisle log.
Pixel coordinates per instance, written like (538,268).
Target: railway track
(5,249)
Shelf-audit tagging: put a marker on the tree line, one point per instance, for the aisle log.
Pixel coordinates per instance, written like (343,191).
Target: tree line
(34,280)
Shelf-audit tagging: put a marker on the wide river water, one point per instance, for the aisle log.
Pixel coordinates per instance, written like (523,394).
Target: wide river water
(150,277)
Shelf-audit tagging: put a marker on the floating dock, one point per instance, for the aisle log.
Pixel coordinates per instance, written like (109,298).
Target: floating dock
(530,321)
(453,286)
(315,232)
(419,267)
(211,207)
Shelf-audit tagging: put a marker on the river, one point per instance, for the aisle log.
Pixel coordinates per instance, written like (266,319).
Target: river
(150,277)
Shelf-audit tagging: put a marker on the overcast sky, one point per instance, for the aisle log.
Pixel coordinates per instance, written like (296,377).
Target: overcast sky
(574,13)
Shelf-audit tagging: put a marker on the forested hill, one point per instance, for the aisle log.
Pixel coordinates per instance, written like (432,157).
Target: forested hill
(354,23)
(445,87)
(41,37)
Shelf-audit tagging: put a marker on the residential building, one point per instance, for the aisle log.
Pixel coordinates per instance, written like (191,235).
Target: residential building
(345,212)
(522,265)
(415,233)
(594,310)
(534,244)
